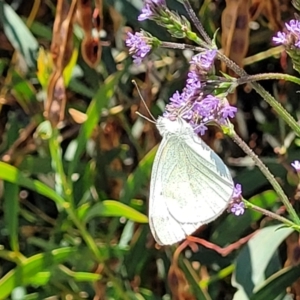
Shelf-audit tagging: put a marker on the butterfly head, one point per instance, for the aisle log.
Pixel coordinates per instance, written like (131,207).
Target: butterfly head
(177,126)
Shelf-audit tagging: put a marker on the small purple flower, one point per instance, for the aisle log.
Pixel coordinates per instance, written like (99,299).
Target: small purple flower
(176,100)
(193,80)
(138,46)
(205,60)
(281,38)
(296,165)
(211,102)
(228,111)
(237,193)
(146,13)
(238,209)
(151,9)
(237,206)
(293,26)
(290,38)
(201,129)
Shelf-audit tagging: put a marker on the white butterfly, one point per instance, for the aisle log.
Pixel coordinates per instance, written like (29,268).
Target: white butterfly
(190,184)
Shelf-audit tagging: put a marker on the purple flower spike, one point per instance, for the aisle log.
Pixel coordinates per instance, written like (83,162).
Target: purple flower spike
(138,46)
(197,104)
(296,165)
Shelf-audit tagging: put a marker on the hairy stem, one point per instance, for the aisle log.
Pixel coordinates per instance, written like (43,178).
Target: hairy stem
(269,176)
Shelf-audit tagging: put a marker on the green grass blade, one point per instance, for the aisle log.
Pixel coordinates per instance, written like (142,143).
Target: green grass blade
(11,211)
(112,208)
(23,274)
(13,175)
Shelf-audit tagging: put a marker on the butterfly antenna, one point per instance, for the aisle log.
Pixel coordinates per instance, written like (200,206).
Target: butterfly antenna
(144,102)
(144,117)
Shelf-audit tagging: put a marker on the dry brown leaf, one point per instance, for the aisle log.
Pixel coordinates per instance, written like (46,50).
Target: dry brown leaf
(270,9)
(178,284)
(61,50)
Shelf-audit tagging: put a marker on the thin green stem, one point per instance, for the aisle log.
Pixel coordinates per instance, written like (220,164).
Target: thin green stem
(180,46)
(268,175)
(267,76)
(56,155)
(270,214)
(265,95)
(196,21)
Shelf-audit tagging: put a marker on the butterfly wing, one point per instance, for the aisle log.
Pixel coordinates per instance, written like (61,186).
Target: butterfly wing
(190,186)
(164,227)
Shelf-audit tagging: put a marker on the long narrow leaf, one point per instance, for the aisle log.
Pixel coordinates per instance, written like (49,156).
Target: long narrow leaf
(11,210)
(112,208)
(13,175)
(22,275)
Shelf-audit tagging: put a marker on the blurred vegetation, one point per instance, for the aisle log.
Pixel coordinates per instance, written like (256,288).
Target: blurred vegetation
(76,161)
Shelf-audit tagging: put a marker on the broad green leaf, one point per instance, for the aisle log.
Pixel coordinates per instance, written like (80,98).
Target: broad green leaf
(13,175)
(18,34)
(139,177)
(93,113)
(11,213)
(257,258)
(277,283)
(29,268)
(112,208)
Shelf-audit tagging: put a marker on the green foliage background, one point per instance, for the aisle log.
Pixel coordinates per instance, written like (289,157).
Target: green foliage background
(73,206)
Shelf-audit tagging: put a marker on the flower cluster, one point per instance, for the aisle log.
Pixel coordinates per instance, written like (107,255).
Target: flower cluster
(138,45)
(196,104)
(237,206)
(291,37)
